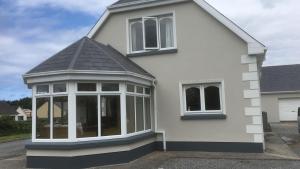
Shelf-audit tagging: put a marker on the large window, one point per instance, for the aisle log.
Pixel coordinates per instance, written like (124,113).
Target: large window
(100,111)
(138,108)
(152,33)
(110,115)
(203,98)
(87,116)
(43,118)
(60,117)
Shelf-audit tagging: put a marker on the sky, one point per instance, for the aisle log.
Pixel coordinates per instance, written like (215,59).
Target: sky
(33,30)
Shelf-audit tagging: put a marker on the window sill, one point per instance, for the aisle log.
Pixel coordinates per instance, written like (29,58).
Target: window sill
(153,52)
(203,117)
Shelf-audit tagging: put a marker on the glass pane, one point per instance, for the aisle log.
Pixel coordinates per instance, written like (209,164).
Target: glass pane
(130,88)
(212,98)
(166,33)
(110,86)
(59,88)
(139,89)
(147,90)
(110,115)
(43,118)
(130,114)
(193,102)
(87,116)
(42,89)
(139,114)
(60,117)
(87,87)
(137,43)
(147,113)
(150,33)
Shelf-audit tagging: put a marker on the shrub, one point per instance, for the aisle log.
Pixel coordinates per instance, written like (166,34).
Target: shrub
(8,126)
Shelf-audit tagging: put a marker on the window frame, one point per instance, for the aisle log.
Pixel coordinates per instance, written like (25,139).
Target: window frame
(174,32)
(144,19)
(72,94)
(202,85)
(143,95)
(158,16)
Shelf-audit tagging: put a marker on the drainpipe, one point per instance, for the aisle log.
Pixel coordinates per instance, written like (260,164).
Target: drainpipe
(162,132)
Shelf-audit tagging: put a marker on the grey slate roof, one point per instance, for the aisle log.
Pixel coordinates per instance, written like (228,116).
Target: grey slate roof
(7,109)
(87,54)
(280,78)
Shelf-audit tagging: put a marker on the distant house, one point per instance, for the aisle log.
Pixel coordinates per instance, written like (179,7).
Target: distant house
(22,114)
(280,90)
(16,113)
(7,110)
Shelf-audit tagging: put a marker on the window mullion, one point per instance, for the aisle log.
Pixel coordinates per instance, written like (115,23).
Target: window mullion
(144,114)
(144,35)
(202,98)
(51,117)
(99,114)
(135,113)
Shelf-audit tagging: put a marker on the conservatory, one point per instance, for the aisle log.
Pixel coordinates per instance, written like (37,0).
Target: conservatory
(82,111)
(90,100)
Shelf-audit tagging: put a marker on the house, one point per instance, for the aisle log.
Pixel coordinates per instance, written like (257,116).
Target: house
(7,110)
(173,75)
(280,90)
(22,114)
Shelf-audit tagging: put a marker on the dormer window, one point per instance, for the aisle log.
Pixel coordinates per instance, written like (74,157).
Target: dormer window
(151,33)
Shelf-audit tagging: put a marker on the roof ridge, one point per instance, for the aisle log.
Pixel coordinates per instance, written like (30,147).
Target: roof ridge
(76,55)
(98,46)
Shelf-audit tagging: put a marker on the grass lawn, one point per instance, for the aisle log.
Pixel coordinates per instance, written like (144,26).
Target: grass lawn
(15,137)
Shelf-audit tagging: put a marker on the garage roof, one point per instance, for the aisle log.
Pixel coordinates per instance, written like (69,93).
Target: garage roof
(284,78)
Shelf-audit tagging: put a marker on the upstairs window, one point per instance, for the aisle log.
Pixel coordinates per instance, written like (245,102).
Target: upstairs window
(152,33)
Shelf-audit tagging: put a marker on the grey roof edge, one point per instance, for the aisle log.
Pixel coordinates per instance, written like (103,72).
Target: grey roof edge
(279,92)
(77,53)
(137,2)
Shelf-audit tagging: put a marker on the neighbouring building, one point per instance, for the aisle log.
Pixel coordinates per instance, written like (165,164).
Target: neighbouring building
(280,89)
(172,75)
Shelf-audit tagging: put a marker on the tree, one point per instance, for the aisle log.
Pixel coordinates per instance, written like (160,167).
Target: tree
(25,103)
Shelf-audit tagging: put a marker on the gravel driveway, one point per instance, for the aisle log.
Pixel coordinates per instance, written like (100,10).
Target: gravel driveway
(12,156)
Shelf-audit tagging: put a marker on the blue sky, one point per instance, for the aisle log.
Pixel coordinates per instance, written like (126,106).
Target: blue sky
(33,30)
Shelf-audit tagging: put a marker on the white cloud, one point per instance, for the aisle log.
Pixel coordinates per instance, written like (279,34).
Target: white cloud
(276,23)
(88,6)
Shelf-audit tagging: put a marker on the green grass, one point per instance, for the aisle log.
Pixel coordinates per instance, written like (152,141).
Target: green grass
(14,137)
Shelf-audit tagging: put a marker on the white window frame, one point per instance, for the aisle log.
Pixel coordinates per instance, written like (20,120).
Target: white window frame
(72,93)
(143,96)
(201,85)
(144,19)
(129,22)
(174,32)
(129,36)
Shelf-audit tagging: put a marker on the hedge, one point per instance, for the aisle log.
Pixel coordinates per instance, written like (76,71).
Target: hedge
(9,126)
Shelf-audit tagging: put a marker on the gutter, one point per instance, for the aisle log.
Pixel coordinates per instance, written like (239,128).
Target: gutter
(156,130)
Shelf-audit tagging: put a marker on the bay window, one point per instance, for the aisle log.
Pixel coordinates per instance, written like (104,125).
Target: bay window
(202,98)
(101,110)
(138,107)
(152,33)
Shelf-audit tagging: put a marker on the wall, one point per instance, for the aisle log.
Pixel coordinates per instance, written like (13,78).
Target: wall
(206,50)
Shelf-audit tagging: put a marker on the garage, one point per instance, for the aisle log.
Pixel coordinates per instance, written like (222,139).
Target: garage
(288,109)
